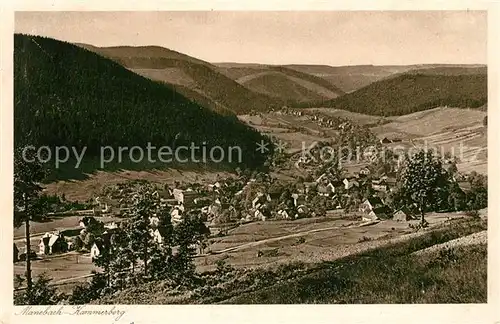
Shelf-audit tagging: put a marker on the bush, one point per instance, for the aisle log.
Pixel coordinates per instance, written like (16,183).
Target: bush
(86,292)
(40,294)
(472,213)
(364,239)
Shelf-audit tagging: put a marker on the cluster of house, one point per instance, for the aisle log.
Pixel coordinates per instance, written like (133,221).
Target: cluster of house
(261,210)
(322,120)
(266,204)
(288,111)
(338,189)
(328,122)
(382,183)
(50,243)
(373,208)
(336,192)
(64,241)
(211,200)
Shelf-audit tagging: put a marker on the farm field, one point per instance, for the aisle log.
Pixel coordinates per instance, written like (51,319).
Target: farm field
(65,270)
(456,130)
(460,131)
(307,240)
(435,120)
(285,128)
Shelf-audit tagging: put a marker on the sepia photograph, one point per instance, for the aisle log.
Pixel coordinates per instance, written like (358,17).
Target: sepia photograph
(249,157)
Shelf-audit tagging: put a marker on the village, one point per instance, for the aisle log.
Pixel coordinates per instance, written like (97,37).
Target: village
(360,191)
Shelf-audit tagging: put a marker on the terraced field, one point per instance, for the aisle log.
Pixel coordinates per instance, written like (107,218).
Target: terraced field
(295,131)
(458,131)
(310,240)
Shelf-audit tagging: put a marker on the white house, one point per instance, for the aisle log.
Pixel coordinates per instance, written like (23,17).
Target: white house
(401,216)
(176,215)
(111,225)
(157,237)
(350,183)
(184,197)
(259,199)
(283,214)
(259,215)
(373,208)
(52,243)
(364,171)
(154,221)
(302,209)
(96,250)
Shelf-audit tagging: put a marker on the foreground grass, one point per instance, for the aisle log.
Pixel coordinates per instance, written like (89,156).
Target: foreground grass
(450,276)
(389,274)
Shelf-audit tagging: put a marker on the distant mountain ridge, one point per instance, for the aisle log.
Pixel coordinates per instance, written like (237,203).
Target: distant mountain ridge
(337,79)
(240,88)
(414,91)
(354,77)
(196,79)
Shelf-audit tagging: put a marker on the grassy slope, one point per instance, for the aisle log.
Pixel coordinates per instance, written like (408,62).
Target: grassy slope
(384,275)
(350,78)
(236,73)
(410,93)
(390,275)
(308,77)
(460,277)
(281,82)
(279,85)
(65,95)
(209,87)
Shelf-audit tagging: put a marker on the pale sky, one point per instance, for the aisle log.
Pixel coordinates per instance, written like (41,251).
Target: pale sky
(328,37)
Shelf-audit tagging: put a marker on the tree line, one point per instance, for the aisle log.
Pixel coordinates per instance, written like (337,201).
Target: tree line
(412,92)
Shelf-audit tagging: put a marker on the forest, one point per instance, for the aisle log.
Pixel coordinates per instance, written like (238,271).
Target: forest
(68,96)
(412,92)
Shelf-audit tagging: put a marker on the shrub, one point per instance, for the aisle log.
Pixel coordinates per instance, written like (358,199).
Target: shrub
(364,239)
(86,292)
(472,213)
(40,294)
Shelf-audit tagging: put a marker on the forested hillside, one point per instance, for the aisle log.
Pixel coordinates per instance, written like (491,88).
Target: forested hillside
(412,92)
(196,79)
(68,96)
(289,86)
(353,77)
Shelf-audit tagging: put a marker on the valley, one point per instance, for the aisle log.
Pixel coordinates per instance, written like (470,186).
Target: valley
(326,177)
